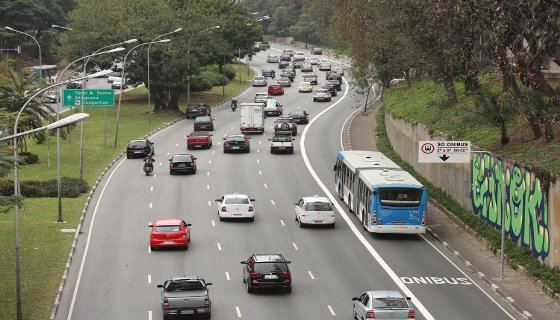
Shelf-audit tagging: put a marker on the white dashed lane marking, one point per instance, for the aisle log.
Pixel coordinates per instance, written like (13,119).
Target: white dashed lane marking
(311,275)
(260,172)
(238,311)
(209,203)
(150,315)
(151,188)
(207,187)
(227,276)
(150,205)
(295,247)
(219,247)
(272,201)
(331,310)
(265,186)
(213,223)
(149,278)
(282,222)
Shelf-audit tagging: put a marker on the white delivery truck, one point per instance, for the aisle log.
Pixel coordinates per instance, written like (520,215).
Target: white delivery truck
(252,117)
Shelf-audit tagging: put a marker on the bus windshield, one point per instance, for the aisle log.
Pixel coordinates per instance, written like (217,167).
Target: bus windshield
(400,197)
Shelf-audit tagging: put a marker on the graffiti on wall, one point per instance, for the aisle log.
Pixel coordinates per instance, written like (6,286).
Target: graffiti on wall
(526,209)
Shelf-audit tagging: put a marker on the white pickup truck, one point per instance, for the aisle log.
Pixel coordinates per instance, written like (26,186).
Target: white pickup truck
(252,117)
(185,296)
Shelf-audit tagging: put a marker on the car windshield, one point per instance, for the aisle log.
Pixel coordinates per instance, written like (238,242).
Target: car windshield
(321,91)
(198,134)
(258,78)
(262,95)
(281,138)
(270,267)
(297,114)
(202,119)
(168,228)
(181,158)
(185,285)
(237,201)
(318,206)
(235,139)
(137,143)
(389,303)
(283,120)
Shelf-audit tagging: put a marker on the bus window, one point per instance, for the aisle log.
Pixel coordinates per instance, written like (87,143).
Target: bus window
(400,197)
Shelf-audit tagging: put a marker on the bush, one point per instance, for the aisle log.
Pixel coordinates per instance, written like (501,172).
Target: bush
(6,187)
(29,158)
(229,70)
(70,188)
(214,78)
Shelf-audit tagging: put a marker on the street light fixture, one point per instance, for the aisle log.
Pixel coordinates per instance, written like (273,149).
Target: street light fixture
(61,27)
(124,82)
(32,37)
(149,45)
(16,180)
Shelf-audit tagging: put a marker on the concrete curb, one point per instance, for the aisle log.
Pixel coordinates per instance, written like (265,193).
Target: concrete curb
(88,200)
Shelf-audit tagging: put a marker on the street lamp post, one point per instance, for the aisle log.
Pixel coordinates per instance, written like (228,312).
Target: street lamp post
(37,42)
(123,83)
(149,45)
(82,109)
(189,66)
(16,185)
(59,184)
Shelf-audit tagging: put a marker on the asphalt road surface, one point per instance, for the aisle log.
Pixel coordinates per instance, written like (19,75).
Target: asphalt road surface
(114,274)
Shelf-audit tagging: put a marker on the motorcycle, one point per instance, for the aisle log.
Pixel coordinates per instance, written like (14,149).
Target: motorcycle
(148,166)
(233,105)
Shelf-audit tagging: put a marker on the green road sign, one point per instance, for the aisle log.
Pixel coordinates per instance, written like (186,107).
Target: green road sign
(92,97)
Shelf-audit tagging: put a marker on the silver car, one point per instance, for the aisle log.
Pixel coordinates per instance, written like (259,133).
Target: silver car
(261,97)
(259,81)
(382,304)
(321,95)
(284,82)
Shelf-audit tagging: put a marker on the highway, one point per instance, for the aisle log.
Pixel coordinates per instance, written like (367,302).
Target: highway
(115,274)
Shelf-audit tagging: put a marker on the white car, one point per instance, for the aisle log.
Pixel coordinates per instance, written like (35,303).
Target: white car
(299,56)
(313,61)
(238,206)
(113,76)
(282,143)
(305,87)
(261,97)
(315,210)
(321,95)
(325,66)
(118,83)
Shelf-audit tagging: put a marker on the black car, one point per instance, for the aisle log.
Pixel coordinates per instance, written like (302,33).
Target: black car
(197,110)
(237,142)
(316,51)
(267,271)
(288,74)
(139,148)
(332,88)
(335,83)
(183,163)
(334,76)
(300,116)
(203,123)
(268,73)
(297,64)
(283,64)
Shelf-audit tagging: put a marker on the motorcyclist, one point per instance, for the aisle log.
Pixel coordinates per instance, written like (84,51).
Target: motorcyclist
(149,160)
(233,104)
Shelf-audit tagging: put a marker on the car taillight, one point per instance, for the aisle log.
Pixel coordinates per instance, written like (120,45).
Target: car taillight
(370,315)
(424,218)
(286,274)
(254,275)
(245,142)
(411,314)
(165,303)
(251,209)
(226,143)
(224,209)
(206,302)
(374,217)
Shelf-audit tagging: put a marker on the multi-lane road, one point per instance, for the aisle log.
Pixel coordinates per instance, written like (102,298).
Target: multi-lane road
(114,274)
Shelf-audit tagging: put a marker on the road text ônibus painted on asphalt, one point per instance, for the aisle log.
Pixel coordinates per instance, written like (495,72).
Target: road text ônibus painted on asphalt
(436,280)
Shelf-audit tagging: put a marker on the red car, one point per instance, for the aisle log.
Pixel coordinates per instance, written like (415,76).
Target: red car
(201,139)
(170,233)
(275,89)
(285,57)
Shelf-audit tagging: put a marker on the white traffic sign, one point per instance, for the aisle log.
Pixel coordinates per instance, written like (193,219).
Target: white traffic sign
(444,151)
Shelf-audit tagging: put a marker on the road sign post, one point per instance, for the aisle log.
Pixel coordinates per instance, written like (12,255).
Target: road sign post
(91,97)
(444,151)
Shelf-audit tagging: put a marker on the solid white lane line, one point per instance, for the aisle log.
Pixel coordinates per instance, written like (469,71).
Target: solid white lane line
(227,276)
(238,311)
(272,201)
(331,310)
(311,275)
(421,308)
(209,203)
(265,186)
(149,278)
(293,244)
(213,223)
(152,188)
(260,172)
(150,205)
(150,315)
(149,249)
(219,247)
(282,222)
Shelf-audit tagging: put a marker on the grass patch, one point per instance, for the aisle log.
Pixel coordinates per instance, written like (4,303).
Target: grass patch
(515,255)
(425,103)
(44,249)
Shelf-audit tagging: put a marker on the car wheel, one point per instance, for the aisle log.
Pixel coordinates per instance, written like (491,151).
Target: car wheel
(186,247)
(166,317)
(225,151)
(221,218)
(314,100)
(296,218)
(153,248)
(332,226)
(252,219)
(248,150)
(292,151)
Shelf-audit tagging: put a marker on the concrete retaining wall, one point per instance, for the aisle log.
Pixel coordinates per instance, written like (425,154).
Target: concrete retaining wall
(532,209)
